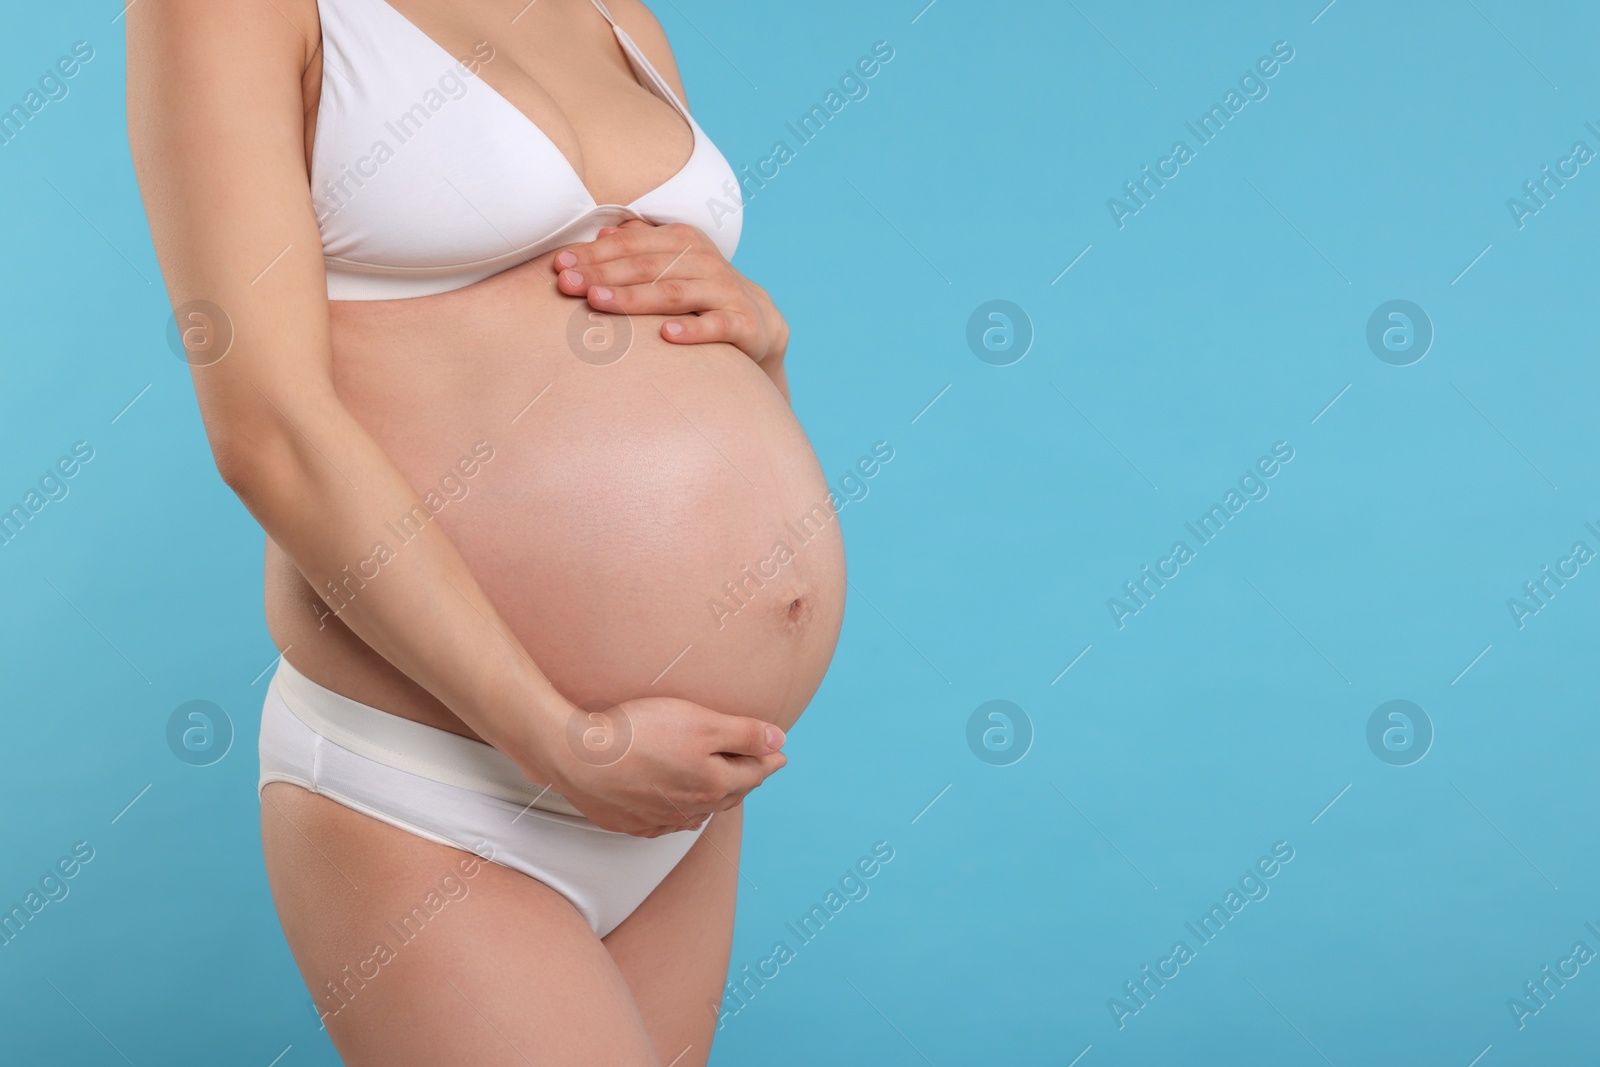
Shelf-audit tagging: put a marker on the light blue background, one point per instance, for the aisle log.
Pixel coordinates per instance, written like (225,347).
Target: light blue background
(1223,718)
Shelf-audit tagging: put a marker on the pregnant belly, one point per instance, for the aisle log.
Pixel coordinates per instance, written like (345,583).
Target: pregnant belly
(647,521)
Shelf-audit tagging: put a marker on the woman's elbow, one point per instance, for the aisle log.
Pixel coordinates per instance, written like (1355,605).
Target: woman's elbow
(257,447)
(248,463)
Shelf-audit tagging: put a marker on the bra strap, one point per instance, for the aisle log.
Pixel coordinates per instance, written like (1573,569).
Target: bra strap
(664,90)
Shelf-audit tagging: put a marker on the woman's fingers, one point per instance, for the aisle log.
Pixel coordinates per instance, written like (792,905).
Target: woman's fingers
(741,735)
(706,327)
(636,269)
(745,773)
(630,240)
(642,269)
(687,763)
(635,223)
(704,311)
(669,296)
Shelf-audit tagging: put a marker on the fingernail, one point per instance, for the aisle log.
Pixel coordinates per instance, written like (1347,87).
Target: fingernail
(607,229)
(601,293)
(566,259)
(572,277)
(674,328)
(774,737)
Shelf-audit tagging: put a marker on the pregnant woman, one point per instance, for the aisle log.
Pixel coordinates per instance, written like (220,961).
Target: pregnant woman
(550,562)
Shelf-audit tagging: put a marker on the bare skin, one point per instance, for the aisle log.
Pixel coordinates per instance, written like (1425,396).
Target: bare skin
(308,429)
(509,974)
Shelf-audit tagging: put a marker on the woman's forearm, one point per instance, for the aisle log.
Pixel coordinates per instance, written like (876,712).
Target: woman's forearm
(328,495)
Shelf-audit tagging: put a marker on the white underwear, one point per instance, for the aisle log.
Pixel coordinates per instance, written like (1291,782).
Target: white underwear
(458,792)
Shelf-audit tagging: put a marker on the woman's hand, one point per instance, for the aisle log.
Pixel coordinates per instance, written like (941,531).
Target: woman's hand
(655,765)
(640,269)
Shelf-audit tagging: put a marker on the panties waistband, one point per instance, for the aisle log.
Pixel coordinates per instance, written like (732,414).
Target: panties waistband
(410,746)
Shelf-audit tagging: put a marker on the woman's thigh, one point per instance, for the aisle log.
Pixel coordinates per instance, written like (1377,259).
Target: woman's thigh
(413,960)
(673,951)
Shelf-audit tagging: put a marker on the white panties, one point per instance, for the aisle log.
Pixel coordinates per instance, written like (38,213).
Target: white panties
(458,792)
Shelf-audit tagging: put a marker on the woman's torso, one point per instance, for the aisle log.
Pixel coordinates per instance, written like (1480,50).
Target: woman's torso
(654,523)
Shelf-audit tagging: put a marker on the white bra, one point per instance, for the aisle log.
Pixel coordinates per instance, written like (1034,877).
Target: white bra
(425,179)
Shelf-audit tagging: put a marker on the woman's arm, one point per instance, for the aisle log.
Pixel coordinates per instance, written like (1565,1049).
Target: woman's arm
(216,125)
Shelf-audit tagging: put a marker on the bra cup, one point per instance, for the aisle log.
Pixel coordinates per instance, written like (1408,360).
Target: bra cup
(705,194)
(423,174)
